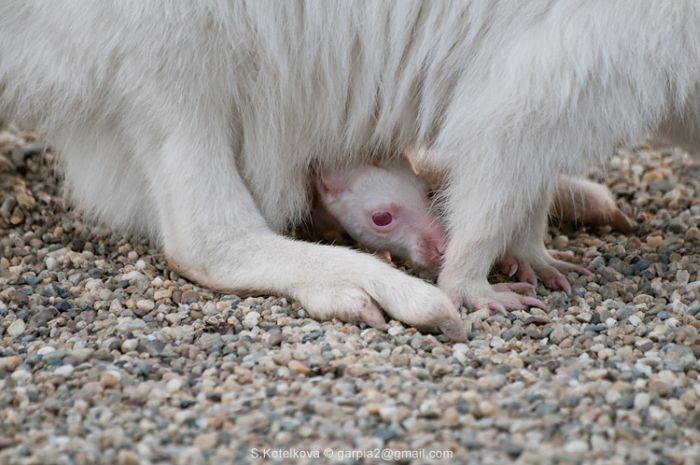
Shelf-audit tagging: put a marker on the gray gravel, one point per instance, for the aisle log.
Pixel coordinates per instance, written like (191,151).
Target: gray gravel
(106,356)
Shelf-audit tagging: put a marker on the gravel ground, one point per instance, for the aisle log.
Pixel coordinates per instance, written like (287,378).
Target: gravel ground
(106,356)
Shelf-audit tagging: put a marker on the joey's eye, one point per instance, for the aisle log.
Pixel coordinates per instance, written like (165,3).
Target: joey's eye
(382,218)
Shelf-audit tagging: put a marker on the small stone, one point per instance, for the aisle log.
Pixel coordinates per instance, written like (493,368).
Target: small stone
(129,345)
(387,412)
(298,367)
(210,309)
(460,347)
(395,330)
(251,320)
(46,350)
(216,421)
(597,373)
(641,401)
(644,345)
(655,240)
(206,441)
(486,408)
(110,378)
(652,176)
(659,387)
(51,263)
(429,409)
(612,396)
(9,363)
(64,370)
(173,385)
(450,416)
(274,336)
(16,328)
(576,447)
(188,297)
(162,294)
(127,457)
(692,234)
(145,305)
(560,242)
(21,375)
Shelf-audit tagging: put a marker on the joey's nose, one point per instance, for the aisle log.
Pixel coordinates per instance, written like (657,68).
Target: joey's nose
(433,244)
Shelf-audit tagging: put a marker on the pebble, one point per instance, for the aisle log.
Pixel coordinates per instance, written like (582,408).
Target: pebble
(576,447)
(21,376)
(145,305)
(395,330)
(298,367)
(173,385)
(655,240)
(251,320)
(65,370)
(110,379)
(46,350)
(206,441)
(9,363)
(129,345)
(16,328)
(161,294)
(189,296)
(642,401)
(51,263)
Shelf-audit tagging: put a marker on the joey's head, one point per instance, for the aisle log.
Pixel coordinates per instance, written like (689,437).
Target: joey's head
(386,209)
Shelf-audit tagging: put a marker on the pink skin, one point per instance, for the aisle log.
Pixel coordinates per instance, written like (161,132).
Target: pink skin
(550,273)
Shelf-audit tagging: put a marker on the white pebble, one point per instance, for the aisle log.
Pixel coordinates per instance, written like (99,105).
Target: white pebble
(459,347)
(643,368)
(641,401)
(51,263)
(145,305)
(64,370)
(173,385)
(140,265)
(251,320)
(129,345)
(612,396)
(395,330)
(576,447)
(282,388)
(21,375)
(16,328)
(210,309)
(45,350)
(634,320)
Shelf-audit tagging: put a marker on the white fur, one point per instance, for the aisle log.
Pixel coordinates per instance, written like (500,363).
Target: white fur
(199,122)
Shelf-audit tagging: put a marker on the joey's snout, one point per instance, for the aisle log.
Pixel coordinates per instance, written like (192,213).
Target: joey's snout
(432,244)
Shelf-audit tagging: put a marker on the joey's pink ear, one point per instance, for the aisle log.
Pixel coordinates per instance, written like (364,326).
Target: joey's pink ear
(331,184)
(414,159)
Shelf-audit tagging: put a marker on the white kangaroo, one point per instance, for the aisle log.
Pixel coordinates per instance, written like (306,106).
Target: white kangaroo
(200,123)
